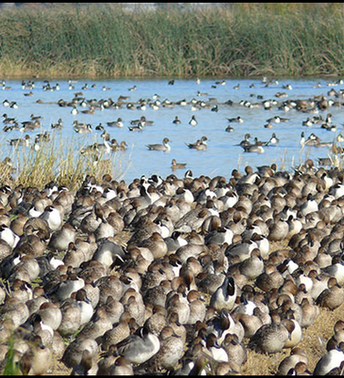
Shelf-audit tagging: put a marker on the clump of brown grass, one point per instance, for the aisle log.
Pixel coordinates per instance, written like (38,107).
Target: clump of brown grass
(59,161)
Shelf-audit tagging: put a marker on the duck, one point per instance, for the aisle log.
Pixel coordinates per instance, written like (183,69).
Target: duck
(120,147)
(73,353)
(139,347)
(246,140)
(52,216)
(143,121)
(225,295)
(177,121)
(332,359)
(235,120)
(175,165)
(273,140)
(118,123)
(332,297)
(87,366)
(119,332)
(37,360)
(82,128)
(193,121)
(296,355)
(170,351)
(160,147)
(337,337)
(256,148)
(120,367)
(98,325)
(25,142)
(138,127)
(270,338)
(61,238)
(235,350)
(217,352)
(200,145)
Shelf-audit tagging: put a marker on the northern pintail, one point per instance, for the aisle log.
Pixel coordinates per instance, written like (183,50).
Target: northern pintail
(118,123)
(270,338)
(337,337)
(235,350)
(332,297)
(256,147)
(193,121)
(273,140)
(143,121)
(331,360)
(37,360)
(73,353)
(21,141)
(160,147)
(52,216)
(200,145)
(236,119)
(225,295)
(296,355)
(139,347)
(82,128)
(60,239)
(171,350)
(138,127)
(175,165)
(177,121)
(8,120)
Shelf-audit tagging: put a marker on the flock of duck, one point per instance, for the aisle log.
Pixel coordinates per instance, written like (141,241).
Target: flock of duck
(172,276)
(80,105)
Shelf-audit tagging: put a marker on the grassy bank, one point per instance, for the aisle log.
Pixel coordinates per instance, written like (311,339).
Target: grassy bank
(105,40)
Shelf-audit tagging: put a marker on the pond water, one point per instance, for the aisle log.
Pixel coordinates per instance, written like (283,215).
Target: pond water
(223,153)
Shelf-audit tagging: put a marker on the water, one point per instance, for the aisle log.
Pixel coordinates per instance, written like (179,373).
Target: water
(223,153)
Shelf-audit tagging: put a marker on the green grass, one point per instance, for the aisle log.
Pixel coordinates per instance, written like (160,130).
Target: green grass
(105,40)
(11,367)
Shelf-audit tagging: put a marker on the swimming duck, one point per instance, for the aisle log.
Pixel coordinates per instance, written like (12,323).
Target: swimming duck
(236,119)
(138,127)
(82,128)
(273,140)
(201,144)
(175,165)
(254,148)
(160,147)
(193,121)
(177,121)
(118,123)
(20,141)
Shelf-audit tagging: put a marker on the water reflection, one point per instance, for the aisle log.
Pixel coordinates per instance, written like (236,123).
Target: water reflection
(216,104)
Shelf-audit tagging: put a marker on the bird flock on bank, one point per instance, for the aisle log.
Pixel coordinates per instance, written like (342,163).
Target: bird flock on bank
(172,276)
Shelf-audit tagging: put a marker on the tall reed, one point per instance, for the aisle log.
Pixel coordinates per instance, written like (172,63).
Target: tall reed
(106,40)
